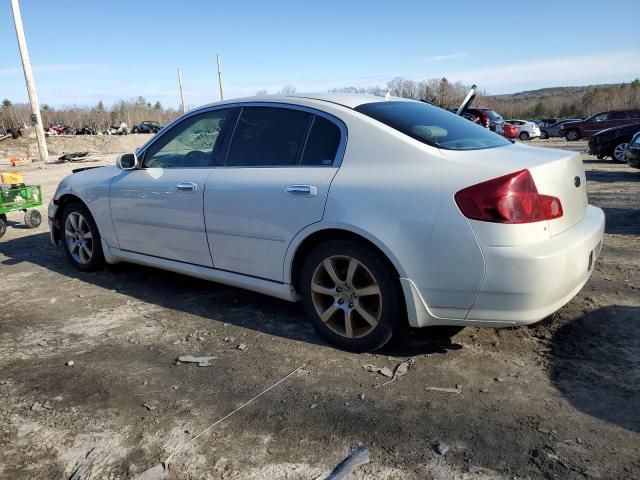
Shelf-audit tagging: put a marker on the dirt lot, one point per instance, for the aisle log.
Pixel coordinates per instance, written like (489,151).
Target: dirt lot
(558,400)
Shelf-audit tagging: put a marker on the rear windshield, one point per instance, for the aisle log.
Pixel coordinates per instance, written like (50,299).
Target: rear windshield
(432,125)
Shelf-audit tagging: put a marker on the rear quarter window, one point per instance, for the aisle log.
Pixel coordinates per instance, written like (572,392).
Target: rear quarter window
(432,125)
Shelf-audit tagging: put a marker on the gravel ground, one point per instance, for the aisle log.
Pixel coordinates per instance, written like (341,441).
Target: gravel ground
(81,355)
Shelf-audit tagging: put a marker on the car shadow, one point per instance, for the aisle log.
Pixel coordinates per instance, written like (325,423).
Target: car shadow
(613,176)
(595,363)
(622,221)
(209,300)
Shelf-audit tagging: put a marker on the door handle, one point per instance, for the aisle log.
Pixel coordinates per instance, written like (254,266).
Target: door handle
(187,187)
(301,190)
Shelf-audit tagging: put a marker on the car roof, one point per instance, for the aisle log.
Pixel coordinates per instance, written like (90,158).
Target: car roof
(349,100)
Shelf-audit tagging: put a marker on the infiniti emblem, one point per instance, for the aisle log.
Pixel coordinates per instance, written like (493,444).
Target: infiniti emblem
(576,181)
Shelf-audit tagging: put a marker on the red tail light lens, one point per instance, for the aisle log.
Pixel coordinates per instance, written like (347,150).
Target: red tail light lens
(512,198)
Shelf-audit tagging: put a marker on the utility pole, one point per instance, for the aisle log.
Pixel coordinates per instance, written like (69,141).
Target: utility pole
(181,93)
(36,119)
(219,76)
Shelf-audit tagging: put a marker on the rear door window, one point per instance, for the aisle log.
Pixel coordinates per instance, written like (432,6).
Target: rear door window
(618,115)
(432,125)
(268,137)
(322,144)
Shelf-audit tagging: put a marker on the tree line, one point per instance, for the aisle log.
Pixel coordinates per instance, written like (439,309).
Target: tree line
(98,117)
(564,102)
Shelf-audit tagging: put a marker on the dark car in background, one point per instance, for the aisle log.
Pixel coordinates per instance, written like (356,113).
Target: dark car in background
(633,151)
(553,129)
(148,126)
(600,121)
(488,118)
(612,142)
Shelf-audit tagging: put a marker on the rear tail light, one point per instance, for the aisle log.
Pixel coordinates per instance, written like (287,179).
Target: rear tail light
(512,198)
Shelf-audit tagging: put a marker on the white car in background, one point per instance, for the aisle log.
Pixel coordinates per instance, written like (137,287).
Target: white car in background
(526,130)
(372,211)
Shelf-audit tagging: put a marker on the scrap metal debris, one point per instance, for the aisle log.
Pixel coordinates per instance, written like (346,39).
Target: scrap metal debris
(444,389)
(381,370)
(201,361)
(154,473)
(72,157)
(441,448)
(360,456)
(400,370)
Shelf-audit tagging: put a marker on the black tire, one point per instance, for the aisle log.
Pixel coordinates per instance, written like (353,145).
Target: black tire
(524,136)
(134,130)
(573,135)
(32,218)
(3,225)
(96,260)
(543,134)
(388,300)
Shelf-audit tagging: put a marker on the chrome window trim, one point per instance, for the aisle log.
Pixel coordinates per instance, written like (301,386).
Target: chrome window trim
(337,162)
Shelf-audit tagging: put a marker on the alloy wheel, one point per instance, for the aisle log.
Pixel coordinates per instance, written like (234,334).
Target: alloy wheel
(619,152)
(79,238)
(346,296)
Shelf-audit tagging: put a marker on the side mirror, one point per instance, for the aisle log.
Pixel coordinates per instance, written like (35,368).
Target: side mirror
(127,161)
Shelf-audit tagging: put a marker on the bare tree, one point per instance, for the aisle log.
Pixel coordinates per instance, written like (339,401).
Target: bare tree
(287,90)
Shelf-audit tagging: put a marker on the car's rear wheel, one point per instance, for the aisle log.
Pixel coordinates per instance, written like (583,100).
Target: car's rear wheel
(524,136)
(544,135)
(81,238)
(573,135)
(350,295)
(619,152)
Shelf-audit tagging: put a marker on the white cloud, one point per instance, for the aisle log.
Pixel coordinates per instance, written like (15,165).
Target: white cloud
(450,56)
(580,70)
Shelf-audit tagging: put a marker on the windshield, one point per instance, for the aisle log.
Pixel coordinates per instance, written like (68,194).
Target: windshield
(432,125)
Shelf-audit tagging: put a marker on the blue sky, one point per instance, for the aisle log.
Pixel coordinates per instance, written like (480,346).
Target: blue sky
(83,51)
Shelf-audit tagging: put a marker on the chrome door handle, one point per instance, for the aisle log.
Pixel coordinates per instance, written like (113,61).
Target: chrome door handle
(301,190)
(187,187)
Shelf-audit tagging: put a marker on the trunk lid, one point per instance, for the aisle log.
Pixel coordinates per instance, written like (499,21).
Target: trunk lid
(563,178)
(554,173)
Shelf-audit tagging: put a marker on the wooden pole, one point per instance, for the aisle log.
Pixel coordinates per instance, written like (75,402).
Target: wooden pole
(181,93)
(36,119)
(219,77)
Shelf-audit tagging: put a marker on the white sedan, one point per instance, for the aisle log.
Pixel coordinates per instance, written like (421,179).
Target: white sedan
(526,130)
(372,211)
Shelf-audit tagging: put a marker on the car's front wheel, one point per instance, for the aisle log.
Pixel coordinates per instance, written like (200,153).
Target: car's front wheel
(544,135)
(350,295)
(81,238)
(620,152)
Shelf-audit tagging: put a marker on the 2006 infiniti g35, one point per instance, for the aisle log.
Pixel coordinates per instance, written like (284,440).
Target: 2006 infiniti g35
(373,211)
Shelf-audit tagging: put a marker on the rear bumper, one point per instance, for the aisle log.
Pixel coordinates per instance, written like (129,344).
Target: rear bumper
(522,285)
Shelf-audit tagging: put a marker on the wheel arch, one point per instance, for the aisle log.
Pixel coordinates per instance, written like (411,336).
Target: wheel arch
(310,239)
(61,202)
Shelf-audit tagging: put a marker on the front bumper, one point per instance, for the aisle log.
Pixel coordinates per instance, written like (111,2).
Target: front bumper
(522,285)
(53,227)
(598,148)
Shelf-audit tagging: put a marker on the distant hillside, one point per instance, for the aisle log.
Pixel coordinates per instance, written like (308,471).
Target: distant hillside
(565,101)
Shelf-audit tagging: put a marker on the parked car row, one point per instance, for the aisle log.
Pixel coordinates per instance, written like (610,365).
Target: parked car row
(613,142)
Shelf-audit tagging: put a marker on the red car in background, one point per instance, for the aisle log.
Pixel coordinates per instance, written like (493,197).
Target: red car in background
(510,131)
